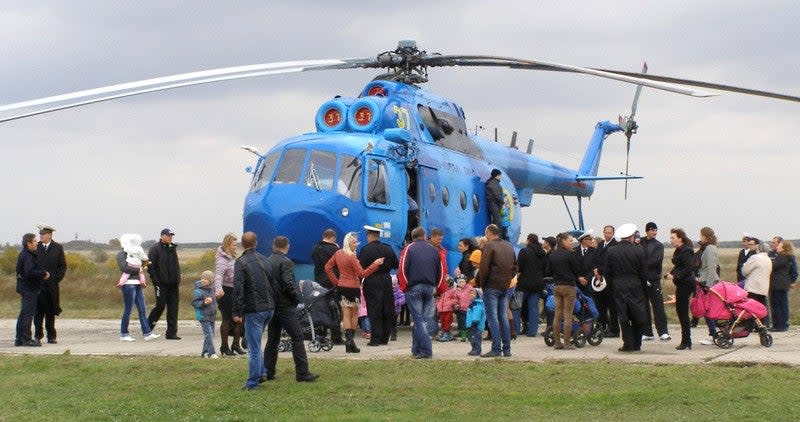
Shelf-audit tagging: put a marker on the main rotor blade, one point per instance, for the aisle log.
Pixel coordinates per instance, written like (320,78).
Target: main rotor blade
(636,96)
(515,63)
(703,84)
(188,79)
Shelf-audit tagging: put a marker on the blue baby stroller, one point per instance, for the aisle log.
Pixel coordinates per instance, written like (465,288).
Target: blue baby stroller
(314,317)
(585,328)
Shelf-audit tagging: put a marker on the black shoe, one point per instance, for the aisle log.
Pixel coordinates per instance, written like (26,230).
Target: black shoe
(422,357)
(473,353)
(225,351)
(265,378)
(238,350)
(173,338)
(31,343)
(491,355)
(506,354)
(683,347)
(52,341)
(373,343)
(393,337)
(309,377)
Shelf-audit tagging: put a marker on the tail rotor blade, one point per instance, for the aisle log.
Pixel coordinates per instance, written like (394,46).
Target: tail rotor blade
(627,164)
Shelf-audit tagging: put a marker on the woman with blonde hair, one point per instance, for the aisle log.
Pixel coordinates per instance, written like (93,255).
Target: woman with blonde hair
(781,280)
(348,285)
(224,259)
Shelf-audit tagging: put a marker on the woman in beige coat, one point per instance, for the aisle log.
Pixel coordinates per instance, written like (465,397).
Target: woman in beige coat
(757,271)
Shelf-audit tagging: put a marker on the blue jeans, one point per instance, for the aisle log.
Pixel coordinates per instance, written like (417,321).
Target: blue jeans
(419,299)
(532,301)
(132,295)
(208,337)
(496,303)
(254,325)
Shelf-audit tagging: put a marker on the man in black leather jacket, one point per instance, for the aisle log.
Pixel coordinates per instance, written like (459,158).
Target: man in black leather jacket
(287,297)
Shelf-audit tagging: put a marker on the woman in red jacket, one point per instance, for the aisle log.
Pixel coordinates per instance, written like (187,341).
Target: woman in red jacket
(348,285)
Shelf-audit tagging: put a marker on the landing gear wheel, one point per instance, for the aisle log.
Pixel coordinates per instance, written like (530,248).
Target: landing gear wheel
(595,337)
(327,344)
(549,340)
(579,339)
(766,339)
(723,340)
(314,346)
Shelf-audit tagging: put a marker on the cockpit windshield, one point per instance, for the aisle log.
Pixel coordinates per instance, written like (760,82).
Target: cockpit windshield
(291,165)
(349,183)
(321,170)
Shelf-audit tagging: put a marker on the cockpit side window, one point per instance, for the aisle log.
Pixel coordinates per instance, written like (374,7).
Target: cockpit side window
(265,171)
(349,183)
(321,170)
(291,166)
(377,184)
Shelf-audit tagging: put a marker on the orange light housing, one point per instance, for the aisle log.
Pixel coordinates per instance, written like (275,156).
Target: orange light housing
(332,117)
(363,116)
(376,90)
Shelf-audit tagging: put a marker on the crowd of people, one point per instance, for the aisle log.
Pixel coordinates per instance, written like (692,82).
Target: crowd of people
(493,288)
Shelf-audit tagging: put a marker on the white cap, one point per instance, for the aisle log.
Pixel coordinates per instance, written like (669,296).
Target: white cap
(589,233)
(372,229)
(598,284)
(626,230)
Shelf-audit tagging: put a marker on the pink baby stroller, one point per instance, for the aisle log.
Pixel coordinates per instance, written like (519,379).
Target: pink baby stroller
(736,314)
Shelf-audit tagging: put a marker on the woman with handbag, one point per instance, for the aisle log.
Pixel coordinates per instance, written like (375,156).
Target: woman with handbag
(682,275)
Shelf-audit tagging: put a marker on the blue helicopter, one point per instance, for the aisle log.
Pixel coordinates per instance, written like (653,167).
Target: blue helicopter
(397,155)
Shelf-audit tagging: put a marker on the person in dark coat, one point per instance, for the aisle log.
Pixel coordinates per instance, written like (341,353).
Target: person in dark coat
(321,254)
(683,276)
(165,275)
(744,253)
(605,298)
(50,256)
(532,261)
(253,304)
(654,258)
(625,264)
(494,198)
(287,297)
(377,286)
(465,268)
(30,276)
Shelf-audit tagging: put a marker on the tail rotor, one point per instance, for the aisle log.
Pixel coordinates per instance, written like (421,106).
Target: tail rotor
(630,127)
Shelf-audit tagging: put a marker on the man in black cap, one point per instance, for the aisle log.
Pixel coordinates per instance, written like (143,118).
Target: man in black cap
(50,256)
(378,290)
(165,273)
(494,198)
(585,253)
(654,257)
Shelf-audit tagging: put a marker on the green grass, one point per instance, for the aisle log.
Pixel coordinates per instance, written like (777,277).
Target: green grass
(147,388)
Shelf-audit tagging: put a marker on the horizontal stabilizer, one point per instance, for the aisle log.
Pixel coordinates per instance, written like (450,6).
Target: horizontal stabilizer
(594,178)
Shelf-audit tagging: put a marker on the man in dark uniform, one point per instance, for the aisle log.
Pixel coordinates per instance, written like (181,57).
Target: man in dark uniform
(285,317)
(165,273)
(50,256)
(625,264)
(30,277)
(744,253)
(378,286)
(585,253)
(321,254)
(605,299)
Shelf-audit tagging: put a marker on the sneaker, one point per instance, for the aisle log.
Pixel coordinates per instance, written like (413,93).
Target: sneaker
(707,341)
(151,336)
(214,356)
(126,338)
(665,337)
(648,338)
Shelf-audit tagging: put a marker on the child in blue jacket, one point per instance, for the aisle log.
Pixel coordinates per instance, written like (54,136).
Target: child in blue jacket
(205,311)
(476,321)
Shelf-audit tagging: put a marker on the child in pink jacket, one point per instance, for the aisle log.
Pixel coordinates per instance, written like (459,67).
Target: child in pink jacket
(445,306)
(463,290)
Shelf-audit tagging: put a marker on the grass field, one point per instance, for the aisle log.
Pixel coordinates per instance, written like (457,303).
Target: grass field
(130,389)
(89,289)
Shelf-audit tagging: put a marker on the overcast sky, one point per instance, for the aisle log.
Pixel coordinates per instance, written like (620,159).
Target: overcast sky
(173,160)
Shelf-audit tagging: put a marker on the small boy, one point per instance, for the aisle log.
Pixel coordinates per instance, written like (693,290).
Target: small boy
(205,311)
(476,321)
